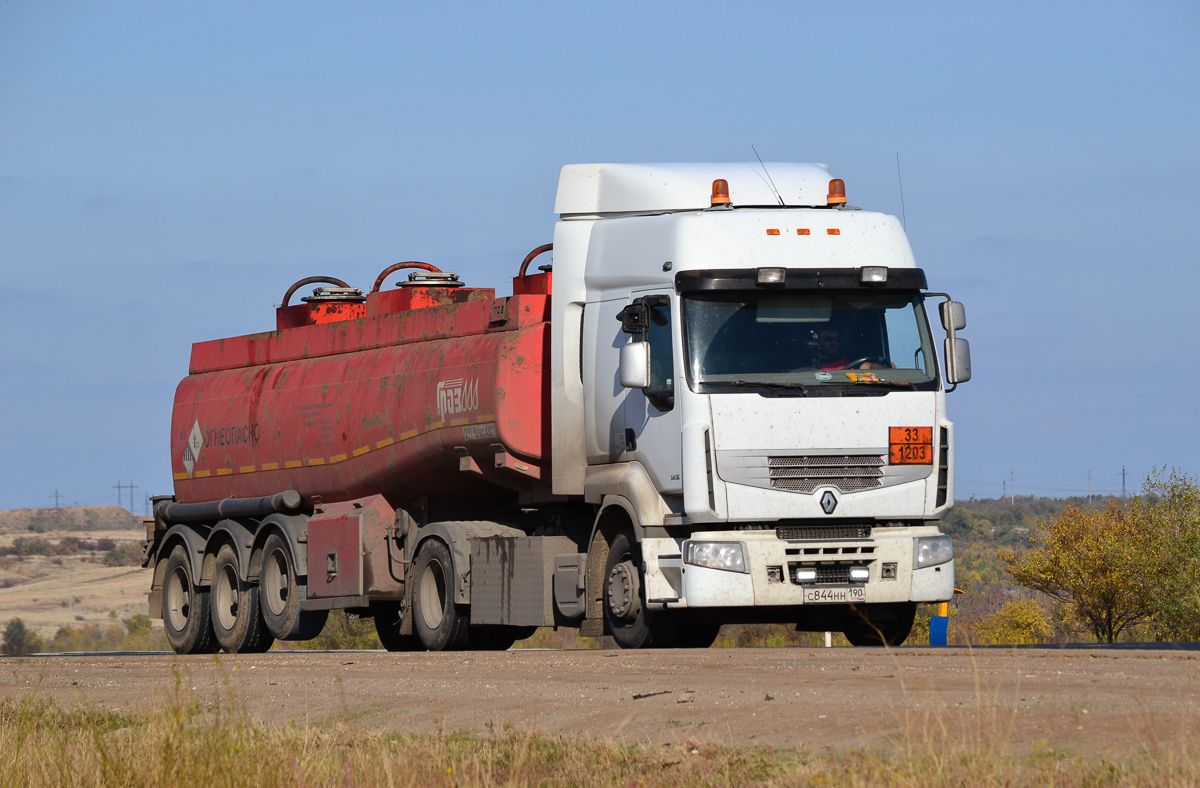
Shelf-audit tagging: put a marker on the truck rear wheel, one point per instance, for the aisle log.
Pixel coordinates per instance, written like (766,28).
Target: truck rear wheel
(630,623)
(880,624)
(438,622)
(185,608)
(387,626)
(279,595)
(236,620)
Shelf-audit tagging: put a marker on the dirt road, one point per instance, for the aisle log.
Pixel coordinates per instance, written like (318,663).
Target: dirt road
(1089,700)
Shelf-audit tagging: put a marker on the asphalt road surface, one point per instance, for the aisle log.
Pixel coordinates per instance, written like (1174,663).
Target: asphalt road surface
(1090,700)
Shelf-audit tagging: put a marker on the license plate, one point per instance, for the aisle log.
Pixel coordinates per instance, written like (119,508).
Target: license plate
(817,596)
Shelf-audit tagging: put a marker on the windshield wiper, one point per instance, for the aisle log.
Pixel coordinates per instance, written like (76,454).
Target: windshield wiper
(796,387)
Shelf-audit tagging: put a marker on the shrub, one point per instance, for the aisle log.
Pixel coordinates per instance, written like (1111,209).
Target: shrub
(19,639)
(1016,623)
(127,554)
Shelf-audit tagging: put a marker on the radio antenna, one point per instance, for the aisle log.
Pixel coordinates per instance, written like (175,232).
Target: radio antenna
(903,217)
(769,178)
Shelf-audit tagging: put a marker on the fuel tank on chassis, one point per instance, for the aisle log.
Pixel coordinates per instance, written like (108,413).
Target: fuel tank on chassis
(440,401)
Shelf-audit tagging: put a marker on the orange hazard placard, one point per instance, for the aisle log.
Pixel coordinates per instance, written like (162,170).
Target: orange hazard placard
(910,445)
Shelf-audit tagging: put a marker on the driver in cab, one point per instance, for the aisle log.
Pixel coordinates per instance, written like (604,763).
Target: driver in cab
(830,355)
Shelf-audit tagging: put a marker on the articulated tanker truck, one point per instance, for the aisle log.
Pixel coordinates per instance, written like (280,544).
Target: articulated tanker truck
(721,403)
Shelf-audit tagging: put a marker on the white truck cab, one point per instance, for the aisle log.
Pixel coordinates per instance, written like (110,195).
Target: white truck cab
(745,377)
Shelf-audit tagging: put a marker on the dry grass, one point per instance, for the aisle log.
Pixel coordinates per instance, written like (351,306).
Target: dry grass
(184,742)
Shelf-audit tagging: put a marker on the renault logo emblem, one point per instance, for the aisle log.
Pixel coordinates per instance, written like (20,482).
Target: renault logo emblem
(828,502)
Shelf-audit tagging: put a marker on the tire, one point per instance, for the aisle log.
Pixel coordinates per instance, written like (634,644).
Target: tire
(440,624)
(881,624)
(387,626)
(279,595)
(185,609)
(496,638)
(236,620)
(697,633)
(629,622)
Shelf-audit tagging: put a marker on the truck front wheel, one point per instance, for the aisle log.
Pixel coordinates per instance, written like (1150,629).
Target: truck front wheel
(237,622)
(439,623)
(185,608)
(630,623)
(881,624)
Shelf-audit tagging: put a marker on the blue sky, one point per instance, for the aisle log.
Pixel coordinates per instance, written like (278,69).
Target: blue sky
(166,170)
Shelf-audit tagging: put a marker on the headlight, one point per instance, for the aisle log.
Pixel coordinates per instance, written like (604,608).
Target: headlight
(859,574)
(730,556)
(805,574)
(932,550)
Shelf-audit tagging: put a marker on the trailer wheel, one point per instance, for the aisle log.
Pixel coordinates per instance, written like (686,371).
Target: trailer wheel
(279,595)
(236,620)
(438,622)
(387,626)
(630,623)
(185,608)
(880,624)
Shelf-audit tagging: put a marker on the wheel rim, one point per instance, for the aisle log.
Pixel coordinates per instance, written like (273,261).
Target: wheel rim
(275,583)
(433,594)
(179,599)
(624,595)
(227,597)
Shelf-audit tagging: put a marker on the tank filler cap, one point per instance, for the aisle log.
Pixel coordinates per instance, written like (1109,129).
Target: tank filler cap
(432,279)
(344,294)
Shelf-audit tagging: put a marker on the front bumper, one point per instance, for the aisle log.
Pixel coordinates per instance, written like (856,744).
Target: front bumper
(887,554)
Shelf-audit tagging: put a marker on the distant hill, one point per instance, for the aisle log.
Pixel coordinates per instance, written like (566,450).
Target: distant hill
(69,518)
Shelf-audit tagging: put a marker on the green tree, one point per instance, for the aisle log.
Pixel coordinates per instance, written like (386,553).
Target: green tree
(19,639)
(1093,560)
(1170,509)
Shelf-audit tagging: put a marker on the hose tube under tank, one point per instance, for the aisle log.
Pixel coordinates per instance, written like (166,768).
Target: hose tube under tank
(227,508)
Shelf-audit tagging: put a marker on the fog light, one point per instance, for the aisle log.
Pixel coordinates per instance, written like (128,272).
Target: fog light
(873,275)
(730,556)
(859,574)
(805,574)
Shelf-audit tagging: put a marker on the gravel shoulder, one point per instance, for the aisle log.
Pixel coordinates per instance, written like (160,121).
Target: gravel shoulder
(1095,700)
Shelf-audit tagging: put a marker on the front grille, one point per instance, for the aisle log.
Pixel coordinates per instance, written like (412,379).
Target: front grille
(826,573)
(823,532)
(847,472)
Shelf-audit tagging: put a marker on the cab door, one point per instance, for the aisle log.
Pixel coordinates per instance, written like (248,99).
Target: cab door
(653,433)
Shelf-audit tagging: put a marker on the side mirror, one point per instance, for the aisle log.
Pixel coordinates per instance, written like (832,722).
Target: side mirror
(954,315)
(958,360)
(635,365)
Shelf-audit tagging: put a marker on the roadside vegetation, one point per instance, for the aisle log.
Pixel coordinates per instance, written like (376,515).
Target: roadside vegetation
(133,634)
(183,742)
(1033,571)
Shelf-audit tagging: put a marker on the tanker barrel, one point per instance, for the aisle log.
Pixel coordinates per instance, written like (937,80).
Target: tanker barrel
(227,508)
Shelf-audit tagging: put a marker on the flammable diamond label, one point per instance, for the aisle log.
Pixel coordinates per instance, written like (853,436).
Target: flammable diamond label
(191,452)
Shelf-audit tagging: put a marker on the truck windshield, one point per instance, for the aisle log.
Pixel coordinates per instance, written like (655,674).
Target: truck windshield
(808,339)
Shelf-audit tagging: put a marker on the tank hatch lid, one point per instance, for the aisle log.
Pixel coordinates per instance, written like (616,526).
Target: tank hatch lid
(639,188)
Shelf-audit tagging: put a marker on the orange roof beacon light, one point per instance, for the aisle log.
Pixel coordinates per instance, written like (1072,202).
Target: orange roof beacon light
(837,192)
(720,195)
